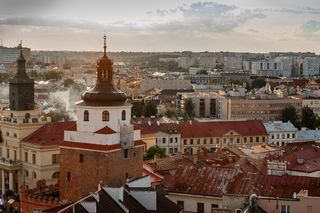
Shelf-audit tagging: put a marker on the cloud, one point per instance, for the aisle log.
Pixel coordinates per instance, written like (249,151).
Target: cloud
(199,16)
(253,30)
(305,10)
(311,27)
(207,17)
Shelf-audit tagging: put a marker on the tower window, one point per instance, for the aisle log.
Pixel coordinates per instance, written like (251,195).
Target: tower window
(126,153)
(105,116)
(86,115)
(68,176)
(81,159)
(123,115)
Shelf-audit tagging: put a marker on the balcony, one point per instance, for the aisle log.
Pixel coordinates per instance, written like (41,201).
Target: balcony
(9,164)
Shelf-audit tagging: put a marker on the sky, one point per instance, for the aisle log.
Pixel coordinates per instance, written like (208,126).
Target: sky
(162,25)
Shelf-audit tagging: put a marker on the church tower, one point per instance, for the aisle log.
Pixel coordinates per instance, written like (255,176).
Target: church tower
(104,148)
(21,88)
(19,121)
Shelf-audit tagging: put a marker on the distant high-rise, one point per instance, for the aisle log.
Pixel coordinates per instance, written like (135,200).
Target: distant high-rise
(10,55)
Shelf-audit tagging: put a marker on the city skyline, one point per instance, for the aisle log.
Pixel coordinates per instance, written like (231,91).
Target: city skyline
(242,26)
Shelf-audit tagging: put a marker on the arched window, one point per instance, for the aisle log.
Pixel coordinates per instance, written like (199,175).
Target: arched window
(27,116)
(34,175)
(7,133)
(55,175)
(86,115)
(26,173)
(123,115)
(105,116)
(14,135)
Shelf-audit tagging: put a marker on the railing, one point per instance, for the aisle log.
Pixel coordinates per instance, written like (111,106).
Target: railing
(8,162)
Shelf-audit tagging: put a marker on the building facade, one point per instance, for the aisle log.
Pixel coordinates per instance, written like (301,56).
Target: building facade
(206,104)
(281,133)
(21,120)
(260,108)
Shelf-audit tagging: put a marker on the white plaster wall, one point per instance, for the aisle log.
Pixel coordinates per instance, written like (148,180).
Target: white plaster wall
(95,122)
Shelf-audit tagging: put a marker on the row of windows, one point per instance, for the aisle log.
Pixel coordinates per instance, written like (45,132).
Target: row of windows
(224,140)
(164,140)
(283,136)
(55,157)
(105,115)
(200,206)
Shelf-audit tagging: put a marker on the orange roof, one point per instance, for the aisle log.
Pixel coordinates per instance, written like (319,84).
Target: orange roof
(220,128)
(97,146)
(105,130)
(50,133)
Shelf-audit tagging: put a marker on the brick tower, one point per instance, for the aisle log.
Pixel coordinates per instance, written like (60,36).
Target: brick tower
(104,148)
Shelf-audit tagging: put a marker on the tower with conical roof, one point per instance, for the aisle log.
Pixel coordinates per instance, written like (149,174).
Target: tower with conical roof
(104,148)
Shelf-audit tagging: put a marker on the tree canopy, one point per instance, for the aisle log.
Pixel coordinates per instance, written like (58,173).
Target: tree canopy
(150,109)
(308,118)
(154,150)
(290,114)
(189,108)
(258,83)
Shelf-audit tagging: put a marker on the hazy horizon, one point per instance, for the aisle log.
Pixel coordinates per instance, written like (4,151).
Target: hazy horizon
(162,26)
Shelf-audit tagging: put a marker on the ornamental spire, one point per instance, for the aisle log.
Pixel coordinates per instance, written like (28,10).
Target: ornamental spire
(105,45)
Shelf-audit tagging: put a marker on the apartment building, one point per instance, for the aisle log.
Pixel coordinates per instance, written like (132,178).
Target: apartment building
(206,104)
(265,108)
(281,133)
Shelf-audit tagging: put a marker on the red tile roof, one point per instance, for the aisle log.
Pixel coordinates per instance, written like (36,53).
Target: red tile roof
(155,177)
(97,146)
(105,130)
(49,134)
(219,128)
(201,180)
(310,157)
(274,186)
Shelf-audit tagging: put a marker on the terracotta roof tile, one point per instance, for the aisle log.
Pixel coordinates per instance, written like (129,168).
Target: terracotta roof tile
(105,130)
(201,180)
(97,146)
(219,128)
(49,134)
(274,186)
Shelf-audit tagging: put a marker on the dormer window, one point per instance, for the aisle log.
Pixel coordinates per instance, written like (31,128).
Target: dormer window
(123,115)
(86,115)
(105,116)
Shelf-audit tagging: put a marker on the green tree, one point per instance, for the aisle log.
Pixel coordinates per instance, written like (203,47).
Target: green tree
(189,108)
(137,108)
(290,114)
(308,118)
(258,83)
(68,82)
(52,75)
(202,72)
(57,116)
(150,109)
(170,112)
(152,151)
(4,77)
